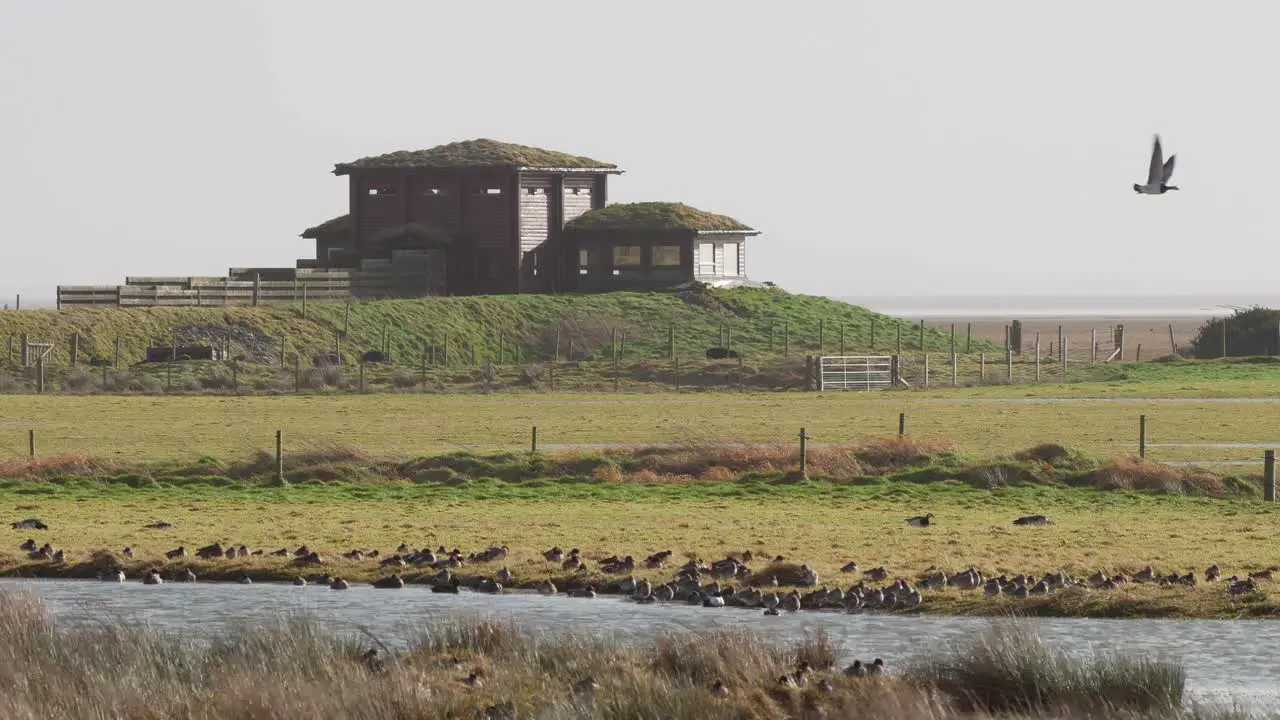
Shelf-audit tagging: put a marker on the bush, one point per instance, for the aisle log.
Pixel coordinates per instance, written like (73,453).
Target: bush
(533,373)
(9,384)
(217,381)
(1249,332)
(78,381)
(404,379)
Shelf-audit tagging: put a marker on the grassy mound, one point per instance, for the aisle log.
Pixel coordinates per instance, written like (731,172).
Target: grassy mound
(523,327)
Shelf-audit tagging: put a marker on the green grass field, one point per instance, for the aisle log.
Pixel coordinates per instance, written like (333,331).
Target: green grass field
(979,422)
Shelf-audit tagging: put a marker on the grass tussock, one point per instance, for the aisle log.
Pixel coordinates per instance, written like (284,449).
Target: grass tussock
(1010,670)
(1137,474)
(292,667)
(62,466)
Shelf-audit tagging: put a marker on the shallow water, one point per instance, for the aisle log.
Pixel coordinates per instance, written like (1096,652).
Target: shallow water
(1235,659)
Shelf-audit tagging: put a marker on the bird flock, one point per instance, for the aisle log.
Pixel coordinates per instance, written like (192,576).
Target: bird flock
(743,580)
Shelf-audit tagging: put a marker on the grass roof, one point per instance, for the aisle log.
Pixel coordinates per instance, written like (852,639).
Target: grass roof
(654,216)
(340,224)
(482,153)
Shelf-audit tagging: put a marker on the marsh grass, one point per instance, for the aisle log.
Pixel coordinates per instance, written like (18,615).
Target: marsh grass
(1010,670)
(293,668)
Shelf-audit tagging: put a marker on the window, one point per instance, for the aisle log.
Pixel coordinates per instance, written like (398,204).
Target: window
(584,262)
(486,191)
(535,191)
(666,256)
(436,192)
(730,251)
(382,190)
(706,259)
(626,256)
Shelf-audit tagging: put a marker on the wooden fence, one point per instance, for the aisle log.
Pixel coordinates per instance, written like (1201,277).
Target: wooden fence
(314,286)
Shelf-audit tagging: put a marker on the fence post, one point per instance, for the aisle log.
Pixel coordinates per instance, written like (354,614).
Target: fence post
(280,456)
(786,338)
(982,367)
(968,338)
(257,284)
(922,336)
(902,424)
(361,375)
(40,375)
(1137,355)
(926,371)
(1063,349)
(899,337)
(297,371)
(283,343)
(873,333)
(1093,347)
(1269,476)
(953,338)
(822,331)
(26,350)
(808,372)
(116,364)
(671,341)
(955,371)
(804,454)
(842,339)
(1008,360)
(346,320)
(75,349)
(1037,357)
(533,441)
(31,442)
(1142,436)
(677,373)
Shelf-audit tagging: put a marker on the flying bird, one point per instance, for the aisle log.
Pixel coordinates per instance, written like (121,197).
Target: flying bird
(1159,173)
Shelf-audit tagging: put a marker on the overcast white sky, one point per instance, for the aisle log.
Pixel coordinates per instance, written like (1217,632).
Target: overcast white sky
(884,148)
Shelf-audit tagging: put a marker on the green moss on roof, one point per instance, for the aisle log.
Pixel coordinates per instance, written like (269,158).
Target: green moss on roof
(652,216)
(340,224)
(480,153)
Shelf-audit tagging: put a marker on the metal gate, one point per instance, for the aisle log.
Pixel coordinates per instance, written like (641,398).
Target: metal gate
(855,372)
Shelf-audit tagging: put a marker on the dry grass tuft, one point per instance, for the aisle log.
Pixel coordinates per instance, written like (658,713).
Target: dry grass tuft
(1137,474)
(61,466)
(901,451)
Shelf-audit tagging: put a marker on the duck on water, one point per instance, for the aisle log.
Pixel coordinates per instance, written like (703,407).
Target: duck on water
(1158,173)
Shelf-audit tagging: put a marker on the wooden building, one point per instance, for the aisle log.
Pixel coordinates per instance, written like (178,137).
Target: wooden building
(479,207)
(467,218)
(649,245)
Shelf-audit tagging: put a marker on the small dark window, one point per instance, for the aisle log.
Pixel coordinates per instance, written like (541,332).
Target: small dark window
(584,262)
(382,190)
(436,192)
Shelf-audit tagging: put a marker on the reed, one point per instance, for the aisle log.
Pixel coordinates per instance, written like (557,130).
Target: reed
(293,668)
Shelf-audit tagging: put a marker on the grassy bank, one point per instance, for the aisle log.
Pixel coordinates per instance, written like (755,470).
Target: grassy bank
(697,501)
(978,424)
(296,669)
(530,323)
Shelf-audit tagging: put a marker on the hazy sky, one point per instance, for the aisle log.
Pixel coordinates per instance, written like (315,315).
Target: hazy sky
(882,147)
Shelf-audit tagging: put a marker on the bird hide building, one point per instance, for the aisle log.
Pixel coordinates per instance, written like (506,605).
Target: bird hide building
(467,218)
